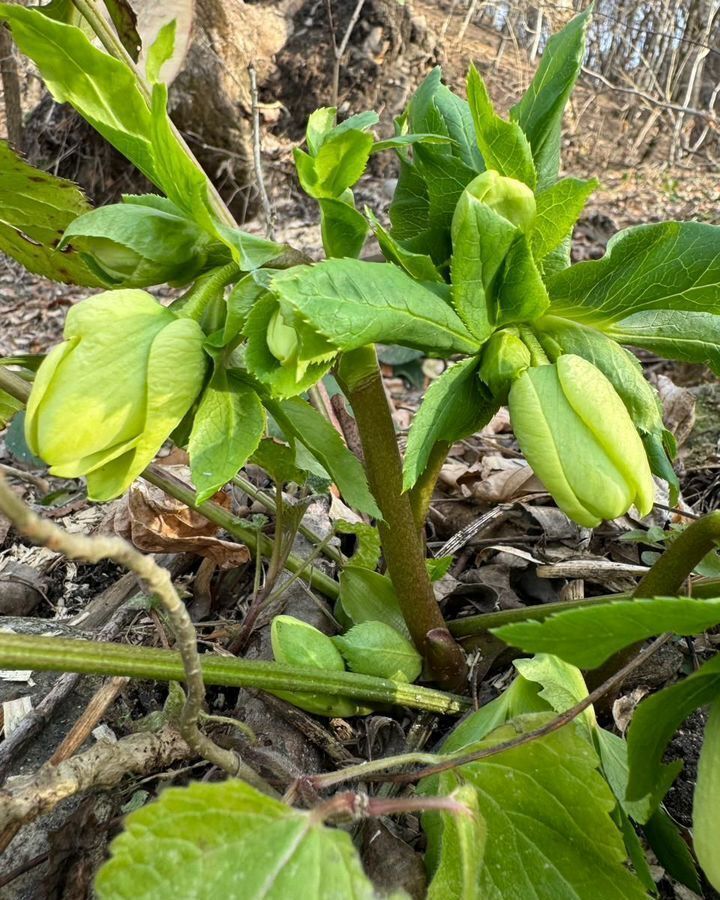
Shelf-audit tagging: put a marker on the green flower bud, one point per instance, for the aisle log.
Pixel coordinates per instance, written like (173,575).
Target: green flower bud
(504,359)
(282,340)
(106,399)
(580,440)
(508,197)
(136,245)
(296,643)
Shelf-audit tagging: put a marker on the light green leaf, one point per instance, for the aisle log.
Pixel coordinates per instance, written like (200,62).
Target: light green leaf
(521,294)
(161,50)
(228,840)
(540,112)
(228,426)
(374,648)
(406,140)
(353,303)
(587,637)
(339,163)
(547,811)
(300,421)
(319,125)
(418,265)
(367,550)
(561,686)
(655,721)
(102,89)
(614,757)
(454,407)
(461,846)
(35,210)
(367,596)
(8,407)
(668,265)
(279,461)
(558,209)
(503,144)
(343,228)
(675,334)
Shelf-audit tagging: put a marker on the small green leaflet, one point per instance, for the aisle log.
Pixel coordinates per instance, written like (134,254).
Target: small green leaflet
(299,421)
(664,266)
(655,721)
(540,112)
(547,812)
(454,407)
(160,51)
(374,648)
(503,144)
(228,425)
(587,637)
(35,210)
(558,209)
(367,596)
(706,800)
(457,842)
(418,265)
(229,840)
(343,228)
(353,303)
(339,163)
(8,407)
(673,333)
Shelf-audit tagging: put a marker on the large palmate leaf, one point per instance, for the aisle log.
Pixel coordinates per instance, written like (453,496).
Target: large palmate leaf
(503,144)
(657,719)
(102,89)
(228,840)
(353,303)
(228,425)
(673,333)
(665,266)
(547,812)
(35,210)
(587,637)
(454,407)
(300,421)
(540,112)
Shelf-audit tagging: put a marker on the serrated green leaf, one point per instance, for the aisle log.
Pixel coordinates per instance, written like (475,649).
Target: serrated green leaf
(353,303)
(461,846)
(446,177)
(503,144)
(35,210)
(587,637)
(561,686)
(409,210)
(278,460)
(339,163)
(540,112)
(547,811)
(454,407)
(655,721)
(320,123)
(374,648)
(558,209)
(668,265)
(299,420)
(419,266)
(367,551)
(367,596)
(343,228)
(675,334)
(102,89)
(228,426)
(228,840)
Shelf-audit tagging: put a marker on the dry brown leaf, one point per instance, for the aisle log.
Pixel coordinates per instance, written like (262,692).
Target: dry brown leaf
(496,479)
(678,408)
(157,523)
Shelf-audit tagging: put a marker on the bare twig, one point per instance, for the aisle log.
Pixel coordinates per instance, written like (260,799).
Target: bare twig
(99,704)
(99,547)
(268,208)
(339,50)
(11,89)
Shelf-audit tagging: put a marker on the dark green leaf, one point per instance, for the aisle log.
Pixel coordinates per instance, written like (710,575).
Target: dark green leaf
(675,334)
(669,265)
(366,596)
(353,303)
(558,209)
(278,460)
(454,407)
(418,265)
(35,210)
(540,112)
(587,637)
(671,850)
(125,22)
(343,228)
(228,426)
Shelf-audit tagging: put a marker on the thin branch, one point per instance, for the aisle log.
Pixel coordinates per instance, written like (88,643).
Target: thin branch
(268,208)
(100,547)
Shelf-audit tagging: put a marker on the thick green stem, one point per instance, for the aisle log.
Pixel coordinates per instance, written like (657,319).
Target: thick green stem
(402,546)
(51,654)
(666,579)
(196,299)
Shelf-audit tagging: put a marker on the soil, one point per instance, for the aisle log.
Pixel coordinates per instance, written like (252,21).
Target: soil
(62,850)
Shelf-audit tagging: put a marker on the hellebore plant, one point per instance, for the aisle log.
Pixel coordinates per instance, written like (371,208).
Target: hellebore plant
(478,272)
